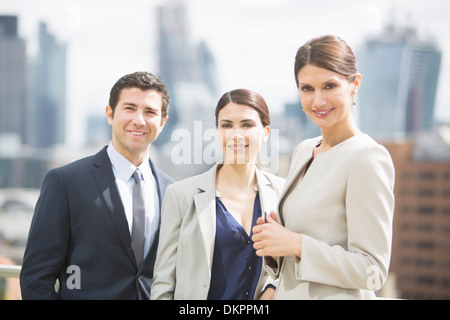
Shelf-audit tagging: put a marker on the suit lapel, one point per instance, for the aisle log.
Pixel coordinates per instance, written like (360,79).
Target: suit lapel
(161,185)
(298,163)
(205,205)
(267,195)
(104,178)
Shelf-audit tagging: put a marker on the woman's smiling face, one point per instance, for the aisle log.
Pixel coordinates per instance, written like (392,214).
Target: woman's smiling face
(240,133)
(326,96)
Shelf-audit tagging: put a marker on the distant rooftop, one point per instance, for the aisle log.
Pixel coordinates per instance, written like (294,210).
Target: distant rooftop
(433,146)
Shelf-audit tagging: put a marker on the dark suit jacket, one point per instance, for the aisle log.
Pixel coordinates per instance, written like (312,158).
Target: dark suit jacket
(80,221)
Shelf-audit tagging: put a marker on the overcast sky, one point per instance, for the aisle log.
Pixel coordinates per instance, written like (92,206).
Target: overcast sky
(254,41)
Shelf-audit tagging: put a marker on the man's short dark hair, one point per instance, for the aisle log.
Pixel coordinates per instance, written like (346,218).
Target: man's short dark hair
(144,81)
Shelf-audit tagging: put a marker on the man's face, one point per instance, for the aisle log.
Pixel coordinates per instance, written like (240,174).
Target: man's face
(136,123)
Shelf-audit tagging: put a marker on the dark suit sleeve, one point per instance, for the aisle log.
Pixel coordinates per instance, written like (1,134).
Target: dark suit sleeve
(47,240)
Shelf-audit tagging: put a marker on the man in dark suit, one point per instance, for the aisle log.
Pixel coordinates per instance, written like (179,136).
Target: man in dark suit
(82,229)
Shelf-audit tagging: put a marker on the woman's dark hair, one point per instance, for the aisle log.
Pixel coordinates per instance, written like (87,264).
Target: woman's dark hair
(247,98)
(143,81)
(328,52)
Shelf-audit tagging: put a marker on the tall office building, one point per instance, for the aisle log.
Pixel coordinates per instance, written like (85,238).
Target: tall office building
(421,238)
(13,85)
(49,91)
(18,166)
(400,75)
(187,68)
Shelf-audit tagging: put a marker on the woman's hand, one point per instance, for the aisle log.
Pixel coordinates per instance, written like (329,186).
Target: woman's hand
(268,294)
(272,239)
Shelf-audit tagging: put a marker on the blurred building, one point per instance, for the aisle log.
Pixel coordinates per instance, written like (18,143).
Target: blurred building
(295,126)
(189,72)
(421,242)
(49,92)
(32,105)
(23,171)
(13,84)
(187,68)
(400,76)
(98,131)
(396,103)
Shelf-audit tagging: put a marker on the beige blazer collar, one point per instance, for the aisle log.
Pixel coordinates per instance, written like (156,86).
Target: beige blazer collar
(299,161)
(205,205)
(267,195)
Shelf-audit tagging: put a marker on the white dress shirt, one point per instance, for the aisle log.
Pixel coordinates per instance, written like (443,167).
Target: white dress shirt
(123,171)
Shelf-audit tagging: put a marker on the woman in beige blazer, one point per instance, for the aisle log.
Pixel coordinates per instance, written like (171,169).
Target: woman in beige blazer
(335,232)
(205,249)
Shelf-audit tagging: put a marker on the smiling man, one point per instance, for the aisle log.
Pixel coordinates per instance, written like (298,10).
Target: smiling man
(96,223)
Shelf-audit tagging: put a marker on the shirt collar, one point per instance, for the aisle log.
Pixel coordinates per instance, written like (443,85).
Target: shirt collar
(124,167)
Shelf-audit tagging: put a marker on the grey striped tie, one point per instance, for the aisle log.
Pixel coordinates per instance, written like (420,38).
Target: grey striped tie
(138,230)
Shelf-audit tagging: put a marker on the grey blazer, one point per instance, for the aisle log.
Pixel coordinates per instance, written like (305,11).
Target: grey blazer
(187,237)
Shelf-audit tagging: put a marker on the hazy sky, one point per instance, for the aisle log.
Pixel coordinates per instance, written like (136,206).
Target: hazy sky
(254,41)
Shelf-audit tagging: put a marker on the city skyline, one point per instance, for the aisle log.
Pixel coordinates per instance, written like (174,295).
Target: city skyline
(33,91)
(252,46)
(251,41)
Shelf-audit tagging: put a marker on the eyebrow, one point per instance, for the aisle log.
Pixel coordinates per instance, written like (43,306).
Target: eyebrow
(245,120)
(325,82)
(135,105)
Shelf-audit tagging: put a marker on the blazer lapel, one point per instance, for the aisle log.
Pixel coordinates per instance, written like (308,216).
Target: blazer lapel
(267,195)
(162,181)
(104,177)
(205,206)
(298,163)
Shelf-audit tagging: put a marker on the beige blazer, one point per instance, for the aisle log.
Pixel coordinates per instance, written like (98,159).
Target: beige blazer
(343,207)
(188,231)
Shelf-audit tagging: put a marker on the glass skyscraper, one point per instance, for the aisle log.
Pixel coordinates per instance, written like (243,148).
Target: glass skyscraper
(13,85)
(187,68)
(49,91)
(400,76)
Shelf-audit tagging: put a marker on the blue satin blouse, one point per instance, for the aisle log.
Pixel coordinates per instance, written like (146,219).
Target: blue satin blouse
(236,268)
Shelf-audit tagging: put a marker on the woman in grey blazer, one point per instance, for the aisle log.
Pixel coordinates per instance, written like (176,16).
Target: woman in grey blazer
(205,249)
(335,232)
